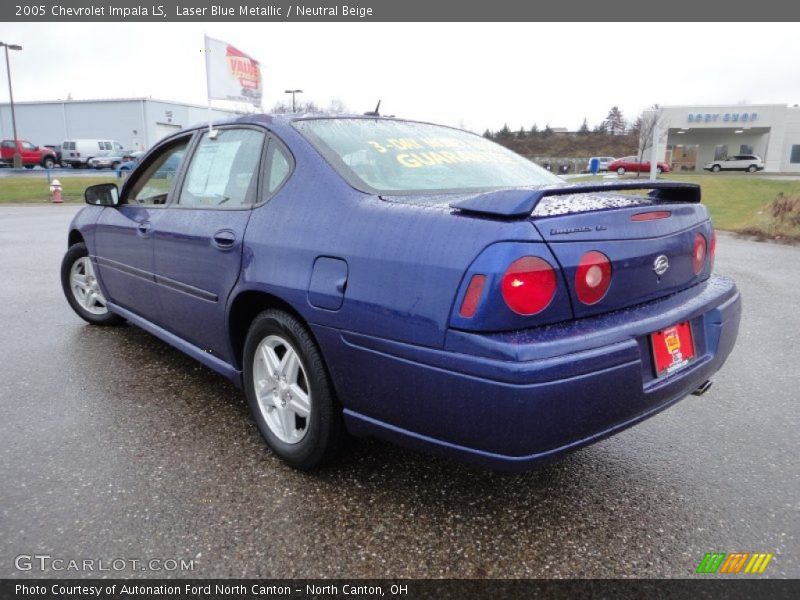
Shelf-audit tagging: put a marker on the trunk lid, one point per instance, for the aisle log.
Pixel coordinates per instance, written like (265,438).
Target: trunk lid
(636,231)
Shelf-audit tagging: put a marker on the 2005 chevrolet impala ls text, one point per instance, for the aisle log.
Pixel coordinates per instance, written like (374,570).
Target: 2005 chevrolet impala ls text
(408,281)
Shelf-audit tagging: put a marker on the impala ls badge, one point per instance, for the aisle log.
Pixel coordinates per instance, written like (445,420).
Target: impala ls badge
(660,264)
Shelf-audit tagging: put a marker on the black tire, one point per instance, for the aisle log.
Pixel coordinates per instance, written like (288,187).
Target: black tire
(620,170)
(114,166)
(752,169)
(76,165)
(716,168)
(658,170)
(48,163)
(28,166)
(75,252)
(325,428)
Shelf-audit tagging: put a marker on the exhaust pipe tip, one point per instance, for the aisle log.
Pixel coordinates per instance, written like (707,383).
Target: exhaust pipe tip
(703,388)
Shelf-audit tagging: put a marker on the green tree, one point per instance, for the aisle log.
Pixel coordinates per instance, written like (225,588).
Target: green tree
(522,134)
(488,135)
(615,121)
(504,133)
(547,131)
(535,130)
(584,129)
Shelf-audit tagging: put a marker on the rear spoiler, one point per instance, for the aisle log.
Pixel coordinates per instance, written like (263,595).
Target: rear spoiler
(521,202)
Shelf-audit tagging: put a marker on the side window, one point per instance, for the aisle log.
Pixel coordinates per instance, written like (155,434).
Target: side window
(27,145)
(279,167)
(8,144)
(117,146)
(222,172)
(100,145)
(154,184)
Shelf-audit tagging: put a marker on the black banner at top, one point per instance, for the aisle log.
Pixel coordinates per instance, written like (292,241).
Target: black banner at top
(397,11)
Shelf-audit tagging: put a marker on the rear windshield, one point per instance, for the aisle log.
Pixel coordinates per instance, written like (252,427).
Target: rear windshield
(403,157)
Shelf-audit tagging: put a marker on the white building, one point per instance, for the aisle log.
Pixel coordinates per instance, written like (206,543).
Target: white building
(137,123)
(692,136)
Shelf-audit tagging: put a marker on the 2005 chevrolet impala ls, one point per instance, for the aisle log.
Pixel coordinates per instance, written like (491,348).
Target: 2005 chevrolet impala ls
(408,281)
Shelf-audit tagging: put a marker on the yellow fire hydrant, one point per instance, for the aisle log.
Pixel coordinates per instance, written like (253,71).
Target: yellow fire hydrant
(55,191)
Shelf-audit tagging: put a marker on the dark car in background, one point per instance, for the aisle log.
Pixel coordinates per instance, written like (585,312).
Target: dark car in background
(408,281)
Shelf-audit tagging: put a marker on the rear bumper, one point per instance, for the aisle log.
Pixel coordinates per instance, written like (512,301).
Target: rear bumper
(516,400)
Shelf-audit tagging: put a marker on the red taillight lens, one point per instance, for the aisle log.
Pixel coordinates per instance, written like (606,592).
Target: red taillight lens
(698,253)
(652,215)
(529,285)
(592,277)
(712,249)
(473,296)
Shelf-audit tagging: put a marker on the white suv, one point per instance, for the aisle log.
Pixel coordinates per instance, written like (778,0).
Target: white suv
(741,162)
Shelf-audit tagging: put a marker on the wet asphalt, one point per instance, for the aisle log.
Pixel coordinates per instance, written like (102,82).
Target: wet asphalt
(114,445)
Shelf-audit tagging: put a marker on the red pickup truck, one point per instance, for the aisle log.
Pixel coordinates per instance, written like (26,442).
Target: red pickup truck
(31,155)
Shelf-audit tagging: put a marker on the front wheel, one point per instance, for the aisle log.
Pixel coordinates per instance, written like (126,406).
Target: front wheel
(716,168)
(81,288)
(621,171)
(49,163)
(289,391)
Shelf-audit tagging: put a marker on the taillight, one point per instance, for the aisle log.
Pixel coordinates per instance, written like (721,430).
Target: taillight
(473,296)
(712,249)
(592,277)
(652,215)
(698,253)
(529,285)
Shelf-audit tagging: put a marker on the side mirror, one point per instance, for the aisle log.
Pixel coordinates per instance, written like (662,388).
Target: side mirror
(102,194)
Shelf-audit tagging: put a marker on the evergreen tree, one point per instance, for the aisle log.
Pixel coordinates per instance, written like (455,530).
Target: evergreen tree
(522,134)
(504,133)
(584,130)
(488,135)
(535,130)
(615,121)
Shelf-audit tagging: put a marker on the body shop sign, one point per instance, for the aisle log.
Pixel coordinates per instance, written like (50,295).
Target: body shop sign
(232,74)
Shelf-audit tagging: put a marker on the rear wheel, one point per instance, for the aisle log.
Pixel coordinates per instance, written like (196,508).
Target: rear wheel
(289,391)
(716,168)
(620,170)
(81,288)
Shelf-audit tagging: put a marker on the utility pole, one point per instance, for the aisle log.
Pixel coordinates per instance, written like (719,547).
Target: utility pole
(17,157)
(293,92)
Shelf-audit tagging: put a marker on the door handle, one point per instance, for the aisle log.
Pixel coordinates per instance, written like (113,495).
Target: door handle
(224,239)
(144,228)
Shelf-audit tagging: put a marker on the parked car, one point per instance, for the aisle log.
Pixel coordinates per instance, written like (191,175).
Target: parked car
(741,162)
(631,164)
(78,153)
(57,149)
(30,154)
(603,162)
(129,161)
(408,281)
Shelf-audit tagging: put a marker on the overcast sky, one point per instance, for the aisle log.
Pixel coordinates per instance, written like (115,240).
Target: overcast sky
(471,75)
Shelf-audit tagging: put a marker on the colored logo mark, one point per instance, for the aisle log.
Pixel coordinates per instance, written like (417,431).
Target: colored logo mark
(735,562)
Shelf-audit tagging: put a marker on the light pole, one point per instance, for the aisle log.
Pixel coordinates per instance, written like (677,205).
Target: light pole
(17,157)
(293,92)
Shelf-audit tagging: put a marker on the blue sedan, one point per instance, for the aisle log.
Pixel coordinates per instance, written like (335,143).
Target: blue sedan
(417,283)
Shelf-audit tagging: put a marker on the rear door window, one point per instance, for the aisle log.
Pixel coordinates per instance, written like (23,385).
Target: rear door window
(222,172)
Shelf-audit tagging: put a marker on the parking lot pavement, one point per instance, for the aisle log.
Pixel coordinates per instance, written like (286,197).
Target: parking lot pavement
(115,445)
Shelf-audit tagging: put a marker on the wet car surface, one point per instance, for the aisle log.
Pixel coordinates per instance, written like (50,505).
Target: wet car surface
(118,445)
